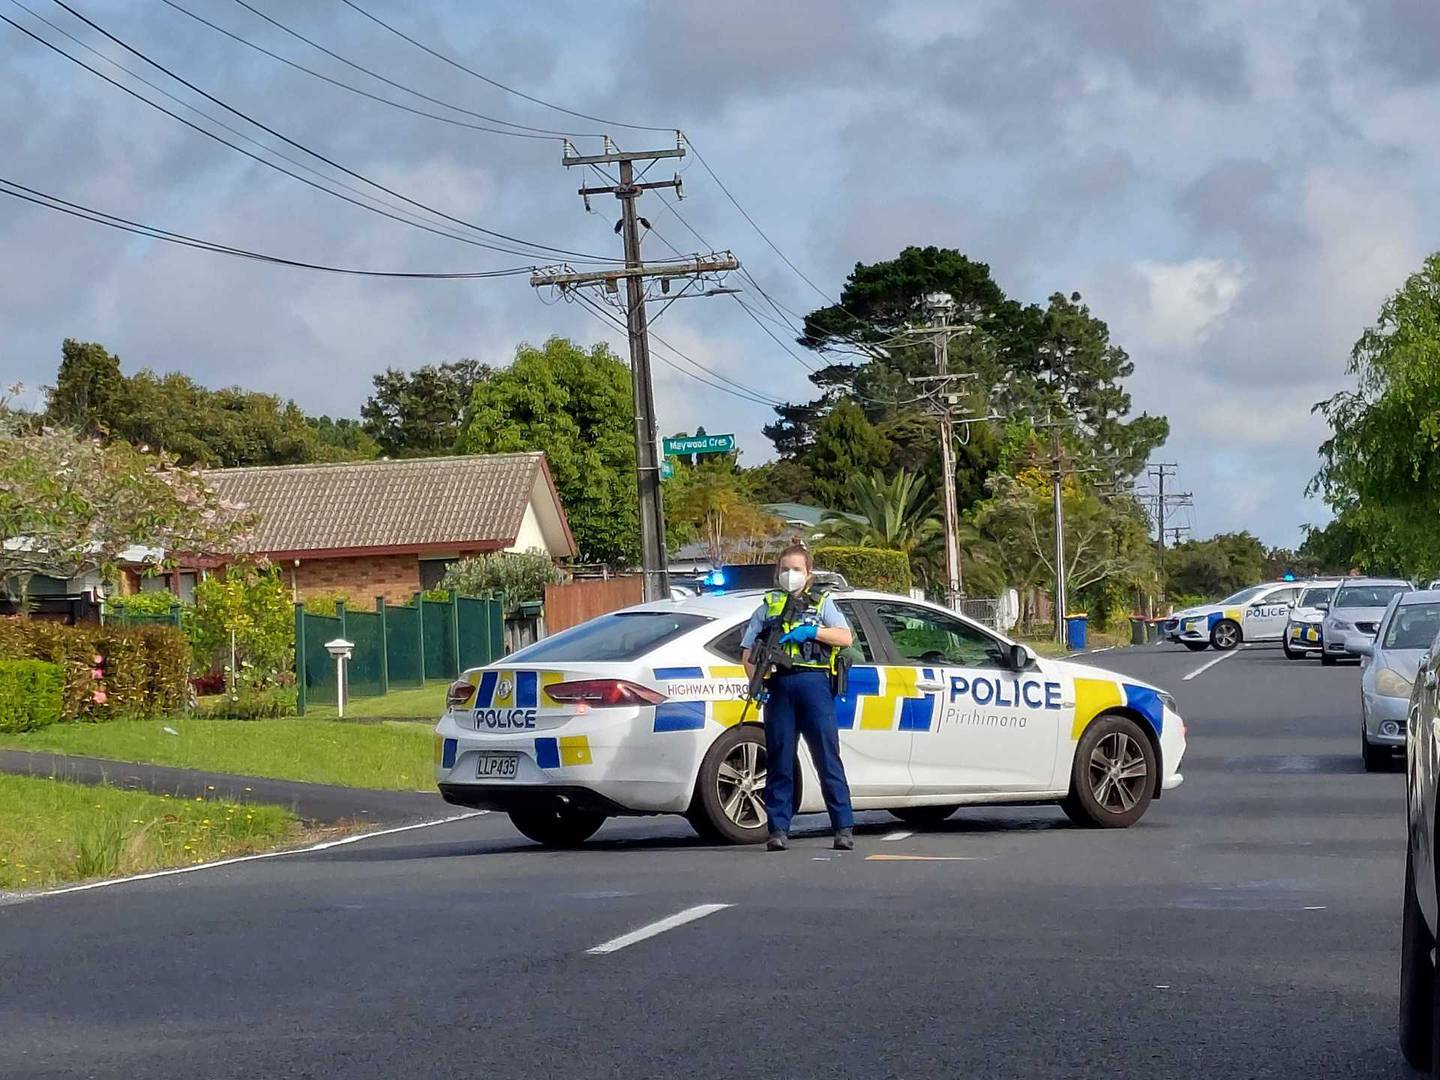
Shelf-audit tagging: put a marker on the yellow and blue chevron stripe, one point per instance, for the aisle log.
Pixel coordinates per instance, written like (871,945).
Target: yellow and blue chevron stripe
(1095,696)
(566,750)
(512,689)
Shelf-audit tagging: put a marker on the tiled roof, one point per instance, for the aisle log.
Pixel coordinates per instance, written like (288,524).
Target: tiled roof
(476,500)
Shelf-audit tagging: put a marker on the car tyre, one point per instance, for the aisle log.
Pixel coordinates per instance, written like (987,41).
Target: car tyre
(923,815)
(1417,980)
(1291,654)
(1376,758)
(1196,646)
(725,807)
(556,824)
(1113,777)
(1225,635)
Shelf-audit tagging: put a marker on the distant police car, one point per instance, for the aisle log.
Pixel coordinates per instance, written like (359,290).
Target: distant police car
(1303,629)
(640,712)
(1258,613)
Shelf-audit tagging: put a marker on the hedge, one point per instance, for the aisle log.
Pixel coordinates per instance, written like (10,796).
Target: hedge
(867,567)
(108,672)
(31,694)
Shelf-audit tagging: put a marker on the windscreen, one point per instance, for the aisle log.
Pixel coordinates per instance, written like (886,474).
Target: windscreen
(1367,595)
(1243,595)
(1315,597)
(1413,626)
(622,635)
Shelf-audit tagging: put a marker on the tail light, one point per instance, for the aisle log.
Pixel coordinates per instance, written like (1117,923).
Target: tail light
(459,694)
(599,693)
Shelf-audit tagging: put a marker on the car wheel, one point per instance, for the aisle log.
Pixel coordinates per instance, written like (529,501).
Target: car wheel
(729,802)
(1113,778)
(923,815)
(557,824)
(1225,635)
(1417,980)
(1290,654)
(1196,646)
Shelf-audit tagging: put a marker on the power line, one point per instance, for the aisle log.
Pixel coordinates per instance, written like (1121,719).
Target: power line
(493,82)
(314,153)
(114,221)
(413,220)
(557,137)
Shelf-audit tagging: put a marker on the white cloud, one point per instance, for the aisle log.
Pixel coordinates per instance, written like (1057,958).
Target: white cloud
(1187,299)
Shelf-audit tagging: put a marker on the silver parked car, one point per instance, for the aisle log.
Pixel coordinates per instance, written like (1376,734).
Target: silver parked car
(1354,613)
(1407,632)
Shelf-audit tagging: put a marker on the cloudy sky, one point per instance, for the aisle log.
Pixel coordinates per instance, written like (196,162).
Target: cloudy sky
(1233,186)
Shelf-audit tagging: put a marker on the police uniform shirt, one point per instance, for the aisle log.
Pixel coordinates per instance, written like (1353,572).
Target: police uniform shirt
(830,615)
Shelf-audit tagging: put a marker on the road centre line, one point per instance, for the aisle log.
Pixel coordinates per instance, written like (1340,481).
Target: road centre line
(670,922)
(324,845)
(1208,665)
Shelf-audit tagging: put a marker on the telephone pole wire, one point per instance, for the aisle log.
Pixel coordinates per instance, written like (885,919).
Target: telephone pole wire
(647,449)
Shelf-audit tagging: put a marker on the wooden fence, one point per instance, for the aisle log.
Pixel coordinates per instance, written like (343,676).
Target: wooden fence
(569,605)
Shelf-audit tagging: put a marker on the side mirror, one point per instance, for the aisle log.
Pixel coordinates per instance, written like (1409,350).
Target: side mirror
(1020,657)
(1363,648)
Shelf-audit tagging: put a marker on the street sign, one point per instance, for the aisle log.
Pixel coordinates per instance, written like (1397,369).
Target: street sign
(700,444)
(667,470)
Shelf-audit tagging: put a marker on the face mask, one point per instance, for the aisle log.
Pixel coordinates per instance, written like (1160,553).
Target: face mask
(793,580)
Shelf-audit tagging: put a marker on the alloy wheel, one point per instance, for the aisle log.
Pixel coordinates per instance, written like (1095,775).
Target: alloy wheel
(740,783)
(1118,772)
(1227,636)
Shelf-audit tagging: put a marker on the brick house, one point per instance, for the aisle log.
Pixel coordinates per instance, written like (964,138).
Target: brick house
(390,528)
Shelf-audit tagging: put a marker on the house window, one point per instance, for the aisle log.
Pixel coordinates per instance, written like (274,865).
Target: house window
(432,570)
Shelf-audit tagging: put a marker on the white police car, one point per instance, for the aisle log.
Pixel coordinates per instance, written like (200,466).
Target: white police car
(640,712)
(1304,631)
(1258,613)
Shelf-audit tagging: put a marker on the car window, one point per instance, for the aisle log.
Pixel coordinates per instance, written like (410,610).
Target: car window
(923,636)
(621,635)
(1243,595)
(1280,597)
(1413,626)
(859,652)
(1367,595)
(1315,597)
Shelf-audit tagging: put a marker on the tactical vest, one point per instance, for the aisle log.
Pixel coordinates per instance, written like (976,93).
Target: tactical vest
(803,654)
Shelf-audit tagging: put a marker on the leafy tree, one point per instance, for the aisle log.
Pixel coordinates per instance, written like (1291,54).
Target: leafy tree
(576,406)
(1380,468)
(1218,566)
(253,604)
(846,443)
(782,481)
(343,439)
(518,578)
(715,505)
(89,388)
(898,514)
(1337,548)
(69,505)
(420,413)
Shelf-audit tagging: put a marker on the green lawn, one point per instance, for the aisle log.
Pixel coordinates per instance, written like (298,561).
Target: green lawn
(53,832)
(395,756)
(415,703)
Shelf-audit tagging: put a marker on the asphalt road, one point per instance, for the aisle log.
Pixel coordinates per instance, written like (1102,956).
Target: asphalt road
(1248,927)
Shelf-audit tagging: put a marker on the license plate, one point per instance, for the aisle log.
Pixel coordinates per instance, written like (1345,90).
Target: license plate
(496,766)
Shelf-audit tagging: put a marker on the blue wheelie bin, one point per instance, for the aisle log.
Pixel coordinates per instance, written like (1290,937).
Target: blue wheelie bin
(1075,627)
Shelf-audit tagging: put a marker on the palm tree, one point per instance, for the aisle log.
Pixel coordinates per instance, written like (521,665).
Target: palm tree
(897,514)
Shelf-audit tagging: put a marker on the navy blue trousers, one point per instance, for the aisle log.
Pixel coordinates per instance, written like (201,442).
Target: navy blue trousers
(800,703)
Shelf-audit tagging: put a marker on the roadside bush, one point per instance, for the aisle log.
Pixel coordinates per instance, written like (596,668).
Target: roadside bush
(867,567)
(251,703)
(31,694)
(254,604)
(107,672)
(143,603)
(326,603)
(518,578)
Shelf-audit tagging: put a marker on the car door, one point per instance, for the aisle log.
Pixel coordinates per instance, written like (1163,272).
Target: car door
(1422,762)
(977,725)
(1265,616)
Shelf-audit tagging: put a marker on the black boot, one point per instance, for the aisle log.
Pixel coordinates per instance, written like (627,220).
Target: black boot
(778,842)
(844,840)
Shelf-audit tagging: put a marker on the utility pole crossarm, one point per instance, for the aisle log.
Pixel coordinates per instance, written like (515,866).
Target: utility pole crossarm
(564,277)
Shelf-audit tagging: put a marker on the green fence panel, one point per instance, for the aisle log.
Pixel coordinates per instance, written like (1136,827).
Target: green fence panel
(319,664)
(482,631)
(439,630)
(403,645)
(363,628)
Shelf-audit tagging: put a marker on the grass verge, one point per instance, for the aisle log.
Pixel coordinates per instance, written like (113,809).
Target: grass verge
(391,756)
(53,833)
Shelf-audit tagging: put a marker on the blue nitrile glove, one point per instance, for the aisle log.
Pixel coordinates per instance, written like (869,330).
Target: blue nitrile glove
(802,633)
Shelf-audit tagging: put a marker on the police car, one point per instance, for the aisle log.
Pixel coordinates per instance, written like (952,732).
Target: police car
(642,711)
(1258,613)
(1304,628)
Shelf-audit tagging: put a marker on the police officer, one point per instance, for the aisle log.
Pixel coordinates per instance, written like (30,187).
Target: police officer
(801,700)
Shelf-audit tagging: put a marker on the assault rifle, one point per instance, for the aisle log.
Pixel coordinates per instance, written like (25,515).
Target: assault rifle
(767,655)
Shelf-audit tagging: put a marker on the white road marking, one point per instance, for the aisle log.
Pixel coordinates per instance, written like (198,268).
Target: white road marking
(902,835)
(1208,665)
(670,922)
(1317,907)
(324,845)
